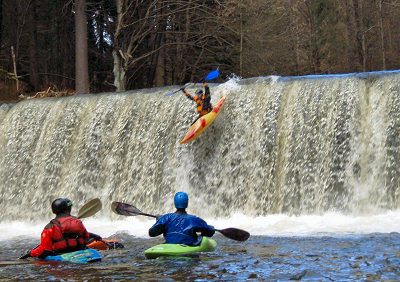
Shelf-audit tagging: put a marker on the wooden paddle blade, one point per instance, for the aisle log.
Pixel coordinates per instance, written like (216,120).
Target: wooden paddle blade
(90,208)
(235,234)
(128,210)
(124,209)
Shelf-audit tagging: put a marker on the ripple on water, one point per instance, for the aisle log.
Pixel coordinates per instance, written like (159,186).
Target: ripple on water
(344,258)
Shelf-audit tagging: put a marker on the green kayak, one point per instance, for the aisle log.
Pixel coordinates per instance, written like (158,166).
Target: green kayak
(207,245)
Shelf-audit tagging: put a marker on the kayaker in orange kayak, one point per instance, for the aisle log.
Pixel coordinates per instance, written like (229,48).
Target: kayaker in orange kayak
(202,100)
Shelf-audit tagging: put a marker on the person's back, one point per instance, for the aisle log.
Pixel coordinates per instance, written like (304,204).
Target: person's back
(65,233)
(180,227)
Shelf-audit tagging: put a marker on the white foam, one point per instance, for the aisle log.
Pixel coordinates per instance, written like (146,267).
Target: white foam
(274,78)
(105,227)
(308,225)
(272,225)
(229,86)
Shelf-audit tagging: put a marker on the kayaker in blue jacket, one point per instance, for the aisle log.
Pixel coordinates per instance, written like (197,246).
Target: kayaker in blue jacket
(180,227)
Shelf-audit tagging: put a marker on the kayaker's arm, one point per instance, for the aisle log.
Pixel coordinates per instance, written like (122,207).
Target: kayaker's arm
(187,94)
(156,229)
(45,244)
(206,231)
(204,228)
(94,236)
(159,227)
(86,235)
(207,90)
(207,94)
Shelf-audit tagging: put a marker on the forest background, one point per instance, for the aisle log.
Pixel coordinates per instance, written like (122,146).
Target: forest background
(86,46)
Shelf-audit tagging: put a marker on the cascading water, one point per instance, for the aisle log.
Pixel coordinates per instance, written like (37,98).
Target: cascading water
(305,145)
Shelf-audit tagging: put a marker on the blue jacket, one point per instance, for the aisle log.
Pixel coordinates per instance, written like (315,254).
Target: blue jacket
(181,228)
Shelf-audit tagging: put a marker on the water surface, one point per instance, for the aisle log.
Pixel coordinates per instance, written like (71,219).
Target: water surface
(372,257)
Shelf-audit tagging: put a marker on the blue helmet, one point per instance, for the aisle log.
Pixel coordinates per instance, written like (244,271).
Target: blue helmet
(181,200)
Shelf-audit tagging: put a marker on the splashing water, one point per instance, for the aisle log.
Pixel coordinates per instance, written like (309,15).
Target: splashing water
(281,145)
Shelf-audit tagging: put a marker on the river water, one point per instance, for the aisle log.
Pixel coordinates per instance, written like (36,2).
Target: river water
(316,248)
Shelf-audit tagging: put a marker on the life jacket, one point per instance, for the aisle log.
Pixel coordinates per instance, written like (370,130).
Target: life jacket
(68,234)
(202,106)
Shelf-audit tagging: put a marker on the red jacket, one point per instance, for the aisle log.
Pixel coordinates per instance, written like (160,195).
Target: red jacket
(63,234)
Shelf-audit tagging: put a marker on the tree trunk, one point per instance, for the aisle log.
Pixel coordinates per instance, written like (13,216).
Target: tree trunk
(179,65)
(1,20)
(362,49)
(81,48)
(241,41)
(315,58)
(295,21)
(15,68)
(119,72)
(382,35)
(33,63)
(159,76)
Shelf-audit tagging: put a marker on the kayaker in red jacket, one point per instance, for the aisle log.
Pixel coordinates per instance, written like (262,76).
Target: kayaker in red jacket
(63,234)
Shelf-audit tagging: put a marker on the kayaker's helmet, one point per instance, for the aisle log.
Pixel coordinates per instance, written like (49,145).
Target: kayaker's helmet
(61,205)
(199,92)
(181,200)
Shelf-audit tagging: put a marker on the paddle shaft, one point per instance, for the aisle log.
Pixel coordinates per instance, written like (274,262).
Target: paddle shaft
(12,262)
(231,233)
(147,214)
(210,76)
(182,88)
(129,210)
(151,215)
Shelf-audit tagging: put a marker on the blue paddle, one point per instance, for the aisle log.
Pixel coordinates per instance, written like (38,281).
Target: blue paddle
(212,75)
(209,77)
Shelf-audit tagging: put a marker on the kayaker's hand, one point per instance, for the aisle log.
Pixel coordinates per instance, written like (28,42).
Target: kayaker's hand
(26,255)
(115,245)
(95,236)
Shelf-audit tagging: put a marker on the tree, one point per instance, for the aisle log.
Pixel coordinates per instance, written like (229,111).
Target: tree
(381,31)
(147,43)
(166,42)
(81,48)
(33,63)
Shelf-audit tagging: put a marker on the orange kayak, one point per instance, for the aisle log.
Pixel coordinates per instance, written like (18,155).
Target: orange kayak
(104,244)
(202,123)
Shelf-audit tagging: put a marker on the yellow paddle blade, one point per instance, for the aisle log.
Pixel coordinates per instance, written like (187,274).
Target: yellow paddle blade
(90,208)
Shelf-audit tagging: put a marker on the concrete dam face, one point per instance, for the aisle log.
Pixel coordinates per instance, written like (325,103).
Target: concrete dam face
(288,145)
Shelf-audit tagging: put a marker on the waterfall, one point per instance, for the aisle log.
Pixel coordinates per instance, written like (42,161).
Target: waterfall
(291,145)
